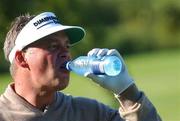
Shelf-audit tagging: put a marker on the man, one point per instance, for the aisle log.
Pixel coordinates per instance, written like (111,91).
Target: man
(37,48)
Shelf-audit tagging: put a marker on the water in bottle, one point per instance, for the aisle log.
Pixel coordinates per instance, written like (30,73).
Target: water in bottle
(109,65)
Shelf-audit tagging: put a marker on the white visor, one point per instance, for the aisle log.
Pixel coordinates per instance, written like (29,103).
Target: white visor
(41,26)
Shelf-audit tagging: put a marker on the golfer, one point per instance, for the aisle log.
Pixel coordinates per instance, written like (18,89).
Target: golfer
(37,48)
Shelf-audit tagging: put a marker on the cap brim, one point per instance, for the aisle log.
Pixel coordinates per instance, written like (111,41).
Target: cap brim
(74,33)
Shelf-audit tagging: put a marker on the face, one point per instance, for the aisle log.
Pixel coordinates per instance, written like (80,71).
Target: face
(46,62)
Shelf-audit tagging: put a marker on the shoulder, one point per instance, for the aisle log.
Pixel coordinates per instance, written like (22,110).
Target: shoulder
(66,98)
(3,110)
(82,107)
(82,103)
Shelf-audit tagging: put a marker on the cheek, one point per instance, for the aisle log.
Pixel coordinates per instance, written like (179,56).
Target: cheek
(44,63)
(39,60)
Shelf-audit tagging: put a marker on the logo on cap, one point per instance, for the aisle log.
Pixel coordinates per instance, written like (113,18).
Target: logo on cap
(45,21)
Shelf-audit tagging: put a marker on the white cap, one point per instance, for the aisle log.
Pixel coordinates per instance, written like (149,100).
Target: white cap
(41,26)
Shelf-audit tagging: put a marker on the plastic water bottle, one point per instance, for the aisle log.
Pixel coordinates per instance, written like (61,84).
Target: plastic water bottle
(108,65)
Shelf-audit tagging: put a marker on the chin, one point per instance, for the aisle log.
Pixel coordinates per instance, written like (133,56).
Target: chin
(61,81)
(62,88)
(62,84)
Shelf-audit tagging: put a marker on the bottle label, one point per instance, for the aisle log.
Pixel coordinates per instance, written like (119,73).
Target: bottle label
(97,67)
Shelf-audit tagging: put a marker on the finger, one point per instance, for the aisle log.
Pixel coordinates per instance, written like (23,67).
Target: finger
(112,52)
(102,52)
(93,52)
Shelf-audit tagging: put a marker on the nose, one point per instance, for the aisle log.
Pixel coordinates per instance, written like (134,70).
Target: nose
(64,54)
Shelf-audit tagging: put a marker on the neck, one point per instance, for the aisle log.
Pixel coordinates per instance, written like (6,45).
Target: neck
(36,97)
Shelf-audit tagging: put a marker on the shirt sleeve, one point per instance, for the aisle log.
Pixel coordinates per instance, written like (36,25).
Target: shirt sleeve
(143,110)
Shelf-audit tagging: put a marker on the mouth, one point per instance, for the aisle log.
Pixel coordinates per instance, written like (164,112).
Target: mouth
(60,63)
(62,66)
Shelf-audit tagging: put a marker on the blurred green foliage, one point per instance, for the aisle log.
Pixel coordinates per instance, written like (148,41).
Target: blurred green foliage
(131,26)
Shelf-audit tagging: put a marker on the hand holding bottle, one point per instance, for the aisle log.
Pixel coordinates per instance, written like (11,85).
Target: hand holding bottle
(117,84)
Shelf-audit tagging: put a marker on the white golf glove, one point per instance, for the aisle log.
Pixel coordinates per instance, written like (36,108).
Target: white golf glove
(117,84)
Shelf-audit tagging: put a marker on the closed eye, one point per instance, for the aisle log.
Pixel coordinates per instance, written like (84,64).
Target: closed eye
(68,46)
(53,46)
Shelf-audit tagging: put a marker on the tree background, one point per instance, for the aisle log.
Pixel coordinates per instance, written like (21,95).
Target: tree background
(139,29)
(131,26)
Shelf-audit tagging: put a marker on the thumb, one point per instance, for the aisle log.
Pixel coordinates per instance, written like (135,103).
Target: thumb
(94,77)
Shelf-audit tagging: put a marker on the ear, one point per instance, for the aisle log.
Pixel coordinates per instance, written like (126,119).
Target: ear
(20,59)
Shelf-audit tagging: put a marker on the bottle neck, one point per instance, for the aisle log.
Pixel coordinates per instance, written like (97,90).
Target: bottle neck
(68,66)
